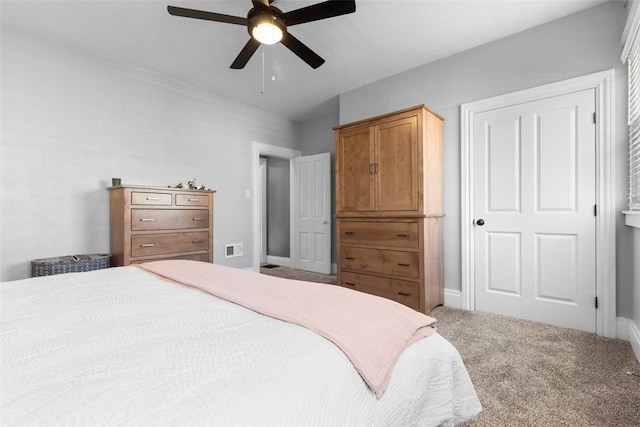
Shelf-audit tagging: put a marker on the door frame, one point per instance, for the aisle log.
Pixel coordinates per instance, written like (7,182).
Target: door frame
(267,150)
(603,84)
(263,209)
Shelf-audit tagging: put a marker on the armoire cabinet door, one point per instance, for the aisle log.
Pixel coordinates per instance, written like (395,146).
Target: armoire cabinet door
(396,170)
(354,167)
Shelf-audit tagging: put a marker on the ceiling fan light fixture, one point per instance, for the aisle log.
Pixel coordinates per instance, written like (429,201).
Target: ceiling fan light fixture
(267,30)
(266,24)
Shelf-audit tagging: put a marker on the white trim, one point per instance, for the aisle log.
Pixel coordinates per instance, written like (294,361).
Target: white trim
(628,331)
(263,209)
(634,339)
(292,212)
(630,33)
(452,298)
(261,149)
(623,329)
(602,82)
(632,218)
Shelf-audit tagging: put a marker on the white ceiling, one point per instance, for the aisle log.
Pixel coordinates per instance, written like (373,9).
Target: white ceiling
(382,38)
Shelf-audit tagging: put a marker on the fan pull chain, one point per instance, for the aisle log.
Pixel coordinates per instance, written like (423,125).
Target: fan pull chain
(262,70)
(273,75)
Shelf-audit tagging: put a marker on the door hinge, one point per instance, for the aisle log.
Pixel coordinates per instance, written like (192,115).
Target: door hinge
(595,210)
(594,118)
(596,303)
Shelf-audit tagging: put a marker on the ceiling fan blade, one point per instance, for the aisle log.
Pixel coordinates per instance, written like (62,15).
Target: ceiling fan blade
(315,12)
(207,16)
(300,49)
(245,54)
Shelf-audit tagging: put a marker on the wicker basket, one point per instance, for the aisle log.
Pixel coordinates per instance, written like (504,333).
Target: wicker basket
(69,264)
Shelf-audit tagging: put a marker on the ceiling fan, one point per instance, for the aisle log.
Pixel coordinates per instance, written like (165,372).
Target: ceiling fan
(268,25)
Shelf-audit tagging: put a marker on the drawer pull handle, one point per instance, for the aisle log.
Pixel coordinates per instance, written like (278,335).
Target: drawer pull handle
(349,283)
(147,245)
(192,200)
(198,219)
(403,235)
(404,294)
(197,241)
(153,198)
(146,219)
(350,258)
(404,265)
(350,233)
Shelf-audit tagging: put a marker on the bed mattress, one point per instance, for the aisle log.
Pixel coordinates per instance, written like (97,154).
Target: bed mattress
(122,346)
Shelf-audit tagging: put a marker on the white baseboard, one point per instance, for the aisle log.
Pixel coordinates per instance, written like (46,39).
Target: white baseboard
(452,298)
(627,330)
(278,260)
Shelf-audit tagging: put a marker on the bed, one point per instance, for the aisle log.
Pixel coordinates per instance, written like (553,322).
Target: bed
(129,346)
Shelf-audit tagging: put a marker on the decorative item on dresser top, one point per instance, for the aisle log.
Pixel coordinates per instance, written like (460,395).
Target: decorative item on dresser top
(153,223)
(389,206)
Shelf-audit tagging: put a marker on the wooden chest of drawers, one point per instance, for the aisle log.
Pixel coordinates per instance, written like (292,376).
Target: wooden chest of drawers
(152,223)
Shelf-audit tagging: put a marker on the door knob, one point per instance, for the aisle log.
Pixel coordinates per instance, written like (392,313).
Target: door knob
(480,222)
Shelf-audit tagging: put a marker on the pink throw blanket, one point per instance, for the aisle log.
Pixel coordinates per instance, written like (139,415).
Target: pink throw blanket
(372,331)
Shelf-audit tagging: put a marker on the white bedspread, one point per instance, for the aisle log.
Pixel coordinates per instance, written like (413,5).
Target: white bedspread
(124,347)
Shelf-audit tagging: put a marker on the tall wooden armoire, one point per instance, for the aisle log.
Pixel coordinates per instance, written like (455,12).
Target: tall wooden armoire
(389,206)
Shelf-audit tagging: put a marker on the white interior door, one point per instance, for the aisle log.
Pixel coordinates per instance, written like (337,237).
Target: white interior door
(534,200)
(311,201)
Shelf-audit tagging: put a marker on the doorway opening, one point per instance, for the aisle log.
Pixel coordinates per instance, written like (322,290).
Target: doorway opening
(275,216)
(260,150)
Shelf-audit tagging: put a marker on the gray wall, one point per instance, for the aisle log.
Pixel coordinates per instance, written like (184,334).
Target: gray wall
(579,44)
(278,223)
(71,121)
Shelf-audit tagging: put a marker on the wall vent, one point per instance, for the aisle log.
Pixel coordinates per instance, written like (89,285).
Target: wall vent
(233,249)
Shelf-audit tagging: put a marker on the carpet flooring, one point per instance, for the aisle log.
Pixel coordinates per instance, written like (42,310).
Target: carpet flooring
(533,374)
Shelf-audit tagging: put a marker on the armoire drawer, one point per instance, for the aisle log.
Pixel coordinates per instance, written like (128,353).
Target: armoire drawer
(394,234)
(164,219)
(407,293)
(151,198)
(156,244)
(396,263)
